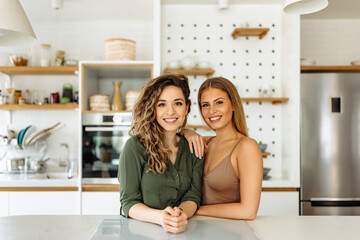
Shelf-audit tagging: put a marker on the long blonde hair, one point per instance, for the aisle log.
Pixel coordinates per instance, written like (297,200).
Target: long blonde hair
(238,118)
(144,124)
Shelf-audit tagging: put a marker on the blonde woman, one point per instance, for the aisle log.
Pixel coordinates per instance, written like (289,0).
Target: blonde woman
(233,161)
(160,179)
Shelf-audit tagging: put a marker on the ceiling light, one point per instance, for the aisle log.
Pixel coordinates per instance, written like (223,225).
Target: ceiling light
(223,4)
(304,6)
(57,4)
(15,28)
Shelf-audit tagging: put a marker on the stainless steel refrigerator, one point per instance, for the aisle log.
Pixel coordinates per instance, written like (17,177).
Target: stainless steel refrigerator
(330,144)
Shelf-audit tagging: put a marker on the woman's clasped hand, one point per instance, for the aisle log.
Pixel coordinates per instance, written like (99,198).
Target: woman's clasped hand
(173,220)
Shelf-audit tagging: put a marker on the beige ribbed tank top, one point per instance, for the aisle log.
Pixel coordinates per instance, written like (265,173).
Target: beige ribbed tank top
(220,184)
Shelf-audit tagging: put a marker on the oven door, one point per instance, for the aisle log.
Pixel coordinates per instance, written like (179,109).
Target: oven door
(102,146)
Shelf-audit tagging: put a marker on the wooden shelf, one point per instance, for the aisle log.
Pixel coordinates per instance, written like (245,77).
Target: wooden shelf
(208,72)
(265,154)
(330,69)
(273,100)
(246,32)
(197,126)
(89,111)
(69,106)
(39,70)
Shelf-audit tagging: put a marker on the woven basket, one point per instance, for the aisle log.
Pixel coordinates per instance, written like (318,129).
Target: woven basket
(120,49)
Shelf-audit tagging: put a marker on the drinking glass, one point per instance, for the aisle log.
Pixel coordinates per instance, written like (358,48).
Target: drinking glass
(10,88)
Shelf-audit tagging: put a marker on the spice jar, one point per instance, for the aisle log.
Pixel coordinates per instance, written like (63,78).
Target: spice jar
(17,94)
(45,55)
(21,100)
(59,58)
(54,98)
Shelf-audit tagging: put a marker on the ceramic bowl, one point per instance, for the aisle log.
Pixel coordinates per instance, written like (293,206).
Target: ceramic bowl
(262,147)
(266,171)
(355,63)
(173,64)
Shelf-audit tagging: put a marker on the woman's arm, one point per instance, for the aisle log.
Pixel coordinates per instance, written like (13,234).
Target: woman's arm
(129,175)
(196,142)
(250,165)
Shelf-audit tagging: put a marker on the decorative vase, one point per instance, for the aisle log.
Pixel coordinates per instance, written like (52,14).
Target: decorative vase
(117,104)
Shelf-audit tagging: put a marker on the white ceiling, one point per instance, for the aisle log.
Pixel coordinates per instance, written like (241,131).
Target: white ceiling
(143,9)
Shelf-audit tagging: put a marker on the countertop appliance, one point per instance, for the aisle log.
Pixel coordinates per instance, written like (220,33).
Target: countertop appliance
(330,144)
(104,136)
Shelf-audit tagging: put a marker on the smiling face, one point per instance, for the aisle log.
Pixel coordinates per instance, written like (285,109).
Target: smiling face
(216,108)
(171,109)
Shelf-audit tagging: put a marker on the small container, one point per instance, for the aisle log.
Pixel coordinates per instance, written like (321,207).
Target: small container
(16,96)
(21,100)
(59,58)
(54,98)
(46,100)
(2,98)
(45,55)
(76,96)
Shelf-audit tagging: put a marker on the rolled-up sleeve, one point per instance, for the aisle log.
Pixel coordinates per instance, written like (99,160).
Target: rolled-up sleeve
(194,191)
(129,175)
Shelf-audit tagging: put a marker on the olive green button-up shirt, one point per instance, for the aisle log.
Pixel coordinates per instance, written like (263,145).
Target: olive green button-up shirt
(180,182)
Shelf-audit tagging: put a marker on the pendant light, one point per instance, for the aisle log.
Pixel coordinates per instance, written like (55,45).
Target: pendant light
(304,6)
(15,28)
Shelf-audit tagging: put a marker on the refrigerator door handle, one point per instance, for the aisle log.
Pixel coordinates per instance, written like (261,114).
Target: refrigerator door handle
(335,202)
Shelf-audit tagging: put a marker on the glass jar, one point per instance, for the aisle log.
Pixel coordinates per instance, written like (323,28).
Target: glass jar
(54,98)
(17,95)
(45,55)
(59,58)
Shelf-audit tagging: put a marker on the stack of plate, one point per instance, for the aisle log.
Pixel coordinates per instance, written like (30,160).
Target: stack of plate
(99,102)
(130,98)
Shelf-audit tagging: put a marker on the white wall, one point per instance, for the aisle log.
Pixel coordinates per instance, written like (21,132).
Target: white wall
(249,63)
(330,41)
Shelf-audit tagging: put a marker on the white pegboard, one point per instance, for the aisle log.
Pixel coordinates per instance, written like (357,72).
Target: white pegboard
(247,61)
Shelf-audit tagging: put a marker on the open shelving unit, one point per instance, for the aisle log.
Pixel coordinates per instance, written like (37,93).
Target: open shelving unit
(208,71)
(39,70)
(13,107)
(324,69)
(247,32)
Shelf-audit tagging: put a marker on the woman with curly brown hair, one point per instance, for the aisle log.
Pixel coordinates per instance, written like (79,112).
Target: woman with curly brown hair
(160,179)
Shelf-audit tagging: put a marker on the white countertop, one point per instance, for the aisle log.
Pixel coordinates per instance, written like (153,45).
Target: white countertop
(48,179)
(266,228)
(59,179)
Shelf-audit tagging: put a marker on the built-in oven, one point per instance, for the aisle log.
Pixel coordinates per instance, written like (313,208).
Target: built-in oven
(104,136)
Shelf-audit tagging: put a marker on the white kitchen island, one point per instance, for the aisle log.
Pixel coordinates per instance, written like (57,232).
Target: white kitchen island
(266,228)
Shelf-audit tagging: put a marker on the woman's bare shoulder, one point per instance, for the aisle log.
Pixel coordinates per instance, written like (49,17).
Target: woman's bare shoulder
(248,147)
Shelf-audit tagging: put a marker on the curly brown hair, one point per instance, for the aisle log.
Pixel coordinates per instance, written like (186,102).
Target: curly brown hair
(144,125)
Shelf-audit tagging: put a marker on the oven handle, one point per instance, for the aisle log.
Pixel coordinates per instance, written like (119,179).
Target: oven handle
(106,129)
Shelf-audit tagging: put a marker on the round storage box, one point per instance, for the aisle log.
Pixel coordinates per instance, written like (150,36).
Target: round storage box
(99,102)
(120,49)
(130,99)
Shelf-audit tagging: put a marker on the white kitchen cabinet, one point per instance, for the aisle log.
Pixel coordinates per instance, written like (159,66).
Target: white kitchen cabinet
(4,200)
(279,204)
(100,203)
(44,203)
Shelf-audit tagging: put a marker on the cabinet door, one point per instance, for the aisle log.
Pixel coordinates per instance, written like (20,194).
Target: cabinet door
(100,203)
(279,204)
(4,201)
(44,203)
